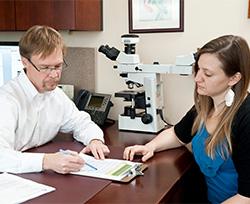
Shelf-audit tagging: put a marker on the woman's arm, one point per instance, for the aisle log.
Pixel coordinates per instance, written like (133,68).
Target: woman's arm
(237,199)
(167,139)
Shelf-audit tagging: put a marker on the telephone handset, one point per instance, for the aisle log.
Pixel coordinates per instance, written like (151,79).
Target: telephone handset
(96,104)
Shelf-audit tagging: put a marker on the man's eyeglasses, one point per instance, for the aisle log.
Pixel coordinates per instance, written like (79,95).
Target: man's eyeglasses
(48,70)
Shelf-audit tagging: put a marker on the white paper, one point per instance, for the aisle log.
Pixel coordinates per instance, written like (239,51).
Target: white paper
(114,169)
(14,189)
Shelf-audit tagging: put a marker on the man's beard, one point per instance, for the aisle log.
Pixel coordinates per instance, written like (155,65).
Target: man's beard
(50,84)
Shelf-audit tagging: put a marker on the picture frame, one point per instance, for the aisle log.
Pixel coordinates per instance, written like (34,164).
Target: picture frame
(151,16)
(248,9)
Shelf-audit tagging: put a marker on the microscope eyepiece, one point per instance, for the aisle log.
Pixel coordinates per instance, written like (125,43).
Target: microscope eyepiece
(111,53)
(129,48)
(130,41)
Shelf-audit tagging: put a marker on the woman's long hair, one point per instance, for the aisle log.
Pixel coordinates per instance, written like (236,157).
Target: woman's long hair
(234,55)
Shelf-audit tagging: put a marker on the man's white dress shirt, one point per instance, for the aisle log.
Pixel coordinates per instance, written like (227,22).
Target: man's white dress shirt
(30,119)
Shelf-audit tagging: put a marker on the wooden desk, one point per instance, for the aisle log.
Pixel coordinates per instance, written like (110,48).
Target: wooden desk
(168,174)
(163,181)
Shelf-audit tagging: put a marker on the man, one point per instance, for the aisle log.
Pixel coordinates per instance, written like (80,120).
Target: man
(33,110)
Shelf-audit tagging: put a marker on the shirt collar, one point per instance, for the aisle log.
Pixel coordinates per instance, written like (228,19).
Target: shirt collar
(27,86)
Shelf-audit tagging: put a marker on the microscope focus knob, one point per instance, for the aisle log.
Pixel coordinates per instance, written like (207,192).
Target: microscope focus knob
(147,118)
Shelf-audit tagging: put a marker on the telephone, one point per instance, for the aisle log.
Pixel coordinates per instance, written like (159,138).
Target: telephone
(96,104)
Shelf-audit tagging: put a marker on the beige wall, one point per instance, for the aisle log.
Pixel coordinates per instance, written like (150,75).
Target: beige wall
(204,20)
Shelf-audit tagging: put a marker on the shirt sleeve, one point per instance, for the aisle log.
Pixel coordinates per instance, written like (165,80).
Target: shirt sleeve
(241,149)
(183,128)
(80,124)
(17,162)
(11,160)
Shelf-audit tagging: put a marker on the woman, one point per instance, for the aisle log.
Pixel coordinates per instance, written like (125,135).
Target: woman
(218,125)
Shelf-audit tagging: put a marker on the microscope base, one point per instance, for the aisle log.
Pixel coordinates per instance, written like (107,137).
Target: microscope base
(126,123)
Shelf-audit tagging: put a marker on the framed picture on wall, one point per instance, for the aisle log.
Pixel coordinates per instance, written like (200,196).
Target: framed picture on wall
(248,8)
(150,16)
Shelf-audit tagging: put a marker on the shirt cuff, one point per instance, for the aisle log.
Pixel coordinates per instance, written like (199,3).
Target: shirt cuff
(98,135)
(32,162)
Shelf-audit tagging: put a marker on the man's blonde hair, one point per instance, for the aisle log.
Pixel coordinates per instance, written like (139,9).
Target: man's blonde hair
(42,40)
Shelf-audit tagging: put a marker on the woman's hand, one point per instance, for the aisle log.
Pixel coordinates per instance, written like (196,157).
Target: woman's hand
(145,150)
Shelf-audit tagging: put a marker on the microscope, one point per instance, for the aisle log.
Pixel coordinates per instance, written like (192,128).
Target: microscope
(145,112)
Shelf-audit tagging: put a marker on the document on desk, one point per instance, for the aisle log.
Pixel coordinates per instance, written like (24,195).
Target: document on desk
(111,169)
(14,189)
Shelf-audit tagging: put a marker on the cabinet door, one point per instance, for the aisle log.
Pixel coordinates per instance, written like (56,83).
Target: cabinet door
(7,15)
(59,14)
(88,15)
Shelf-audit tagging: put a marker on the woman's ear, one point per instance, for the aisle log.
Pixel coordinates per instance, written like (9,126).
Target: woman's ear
(234,79)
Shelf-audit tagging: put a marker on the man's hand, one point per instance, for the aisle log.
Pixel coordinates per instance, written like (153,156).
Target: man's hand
(97,148)
(63,163)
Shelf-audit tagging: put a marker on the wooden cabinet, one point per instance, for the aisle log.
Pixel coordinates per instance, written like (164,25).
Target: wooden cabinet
(60,14)
(7,15)
(88,15)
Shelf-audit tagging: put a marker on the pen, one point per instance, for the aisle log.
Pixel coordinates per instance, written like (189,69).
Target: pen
(90,166)
(68,152)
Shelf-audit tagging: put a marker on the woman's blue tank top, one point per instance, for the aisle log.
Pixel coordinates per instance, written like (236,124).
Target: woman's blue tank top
(220,174)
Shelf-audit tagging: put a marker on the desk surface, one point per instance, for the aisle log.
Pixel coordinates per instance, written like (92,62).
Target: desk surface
(160,181)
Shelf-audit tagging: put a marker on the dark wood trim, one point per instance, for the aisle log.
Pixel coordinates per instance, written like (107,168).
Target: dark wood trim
(248,8)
